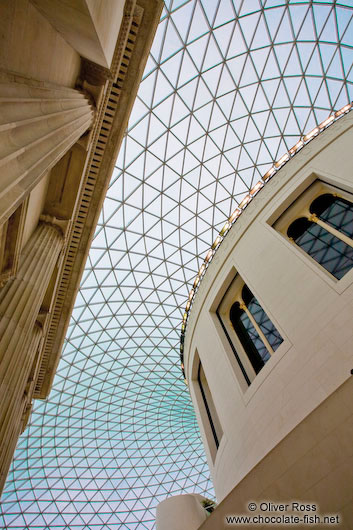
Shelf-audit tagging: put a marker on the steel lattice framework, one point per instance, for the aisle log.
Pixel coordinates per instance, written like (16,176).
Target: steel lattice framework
(229,87)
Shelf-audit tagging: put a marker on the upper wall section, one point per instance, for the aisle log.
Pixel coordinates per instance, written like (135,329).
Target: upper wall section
(89,26)
(32,47)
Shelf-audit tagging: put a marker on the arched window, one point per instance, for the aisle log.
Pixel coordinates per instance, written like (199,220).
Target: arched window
(326,233)
(257,334)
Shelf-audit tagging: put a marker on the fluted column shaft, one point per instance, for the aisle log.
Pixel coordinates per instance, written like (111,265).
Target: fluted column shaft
(20,405)
(37,127)
(37,336)
(20,302)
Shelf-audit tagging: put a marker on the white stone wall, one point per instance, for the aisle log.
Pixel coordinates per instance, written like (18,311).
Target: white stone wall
(311,309)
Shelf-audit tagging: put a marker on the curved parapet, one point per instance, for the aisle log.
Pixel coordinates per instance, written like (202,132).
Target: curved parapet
(180,512)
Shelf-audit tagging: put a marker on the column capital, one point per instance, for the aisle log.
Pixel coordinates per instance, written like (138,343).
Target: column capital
(313,218)
(42,320)
(94,73)
(62,225)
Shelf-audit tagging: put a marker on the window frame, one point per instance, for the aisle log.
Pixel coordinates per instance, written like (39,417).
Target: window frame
(222,311)
(209,418)
(299,207)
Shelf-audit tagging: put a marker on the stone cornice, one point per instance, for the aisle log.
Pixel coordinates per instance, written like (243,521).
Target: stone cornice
(135,39)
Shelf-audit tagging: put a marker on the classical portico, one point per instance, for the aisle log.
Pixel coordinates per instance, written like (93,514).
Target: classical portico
(69,72)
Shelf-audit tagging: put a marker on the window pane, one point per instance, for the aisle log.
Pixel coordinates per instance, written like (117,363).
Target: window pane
(340,216)
(268,329)
(326,249)
(207,400)
(254,337)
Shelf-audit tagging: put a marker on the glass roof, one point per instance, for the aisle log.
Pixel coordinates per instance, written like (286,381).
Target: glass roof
(228,88)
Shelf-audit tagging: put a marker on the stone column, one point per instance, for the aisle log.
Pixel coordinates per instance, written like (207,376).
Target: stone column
(20,302)
(26,405)
(37,127)
(20,405)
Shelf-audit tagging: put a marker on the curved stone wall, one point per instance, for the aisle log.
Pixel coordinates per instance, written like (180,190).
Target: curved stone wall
(310,308)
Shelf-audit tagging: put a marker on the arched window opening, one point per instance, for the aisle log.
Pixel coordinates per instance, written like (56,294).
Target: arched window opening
(267,327)
(326,234)
(335,211)
(257,334)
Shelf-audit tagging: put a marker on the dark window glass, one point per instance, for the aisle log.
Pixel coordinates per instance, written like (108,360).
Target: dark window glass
(334,211)
(200,376)
(325,248)
(254,337)
(250,340)
(268,329)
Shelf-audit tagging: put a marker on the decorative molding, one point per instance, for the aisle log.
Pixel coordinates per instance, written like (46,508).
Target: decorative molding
(94,73)
(101,148)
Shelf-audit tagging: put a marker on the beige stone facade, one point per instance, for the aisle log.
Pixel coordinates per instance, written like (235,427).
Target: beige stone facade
(69,72)
(282,433)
